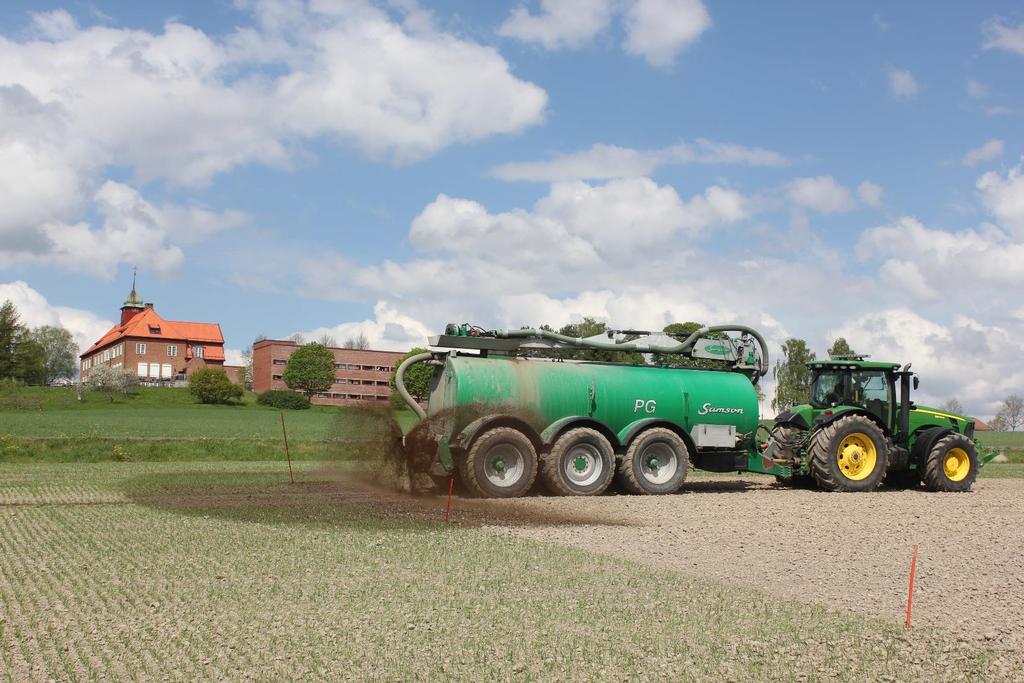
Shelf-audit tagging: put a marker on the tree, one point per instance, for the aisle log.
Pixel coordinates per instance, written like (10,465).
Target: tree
(358,342)
(29,360)
(953,406)
(417,378)
(211,385)
(247,359)
(792,375)
(1010,415)
(59,352)
(297,338)
(10,329)
(310,369)
(840,348)
(110,381)
(327,340)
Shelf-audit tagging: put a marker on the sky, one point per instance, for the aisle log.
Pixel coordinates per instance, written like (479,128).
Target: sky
(813,170)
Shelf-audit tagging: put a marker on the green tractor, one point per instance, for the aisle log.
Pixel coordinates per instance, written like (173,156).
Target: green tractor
(858,432)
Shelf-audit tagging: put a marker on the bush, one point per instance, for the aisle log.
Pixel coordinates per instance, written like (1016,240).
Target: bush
(211,385)
(281,398)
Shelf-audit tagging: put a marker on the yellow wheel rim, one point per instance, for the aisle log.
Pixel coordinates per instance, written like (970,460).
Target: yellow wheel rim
(857,456)
(957,464)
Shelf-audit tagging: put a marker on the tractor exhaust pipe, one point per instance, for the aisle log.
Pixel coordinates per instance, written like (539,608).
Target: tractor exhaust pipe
(905,376)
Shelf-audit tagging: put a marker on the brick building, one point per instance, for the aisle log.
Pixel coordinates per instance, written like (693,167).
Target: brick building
(159,350)
(359,375)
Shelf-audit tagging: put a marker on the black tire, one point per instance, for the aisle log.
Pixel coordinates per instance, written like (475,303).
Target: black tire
(581,463)
(952,465)
(485,472)
(635,474)
(840,455)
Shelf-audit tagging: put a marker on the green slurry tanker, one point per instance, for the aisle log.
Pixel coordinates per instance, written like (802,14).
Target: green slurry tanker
(504,410)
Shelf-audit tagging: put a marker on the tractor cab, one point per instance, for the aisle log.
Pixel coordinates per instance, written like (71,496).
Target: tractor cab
(853,383)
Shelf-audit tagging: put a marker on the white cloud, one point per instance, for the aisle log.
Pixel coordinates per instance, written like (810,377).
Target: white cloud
(658,30)
(1003,37)
(992,149)
(870,193)
(185,106)
(976,89)
(902,83)
(1004,197)
(576,223)
(936,261)
(561,23)
(133,231)
(389,330)
(821,193)
(35,311)
(602,162)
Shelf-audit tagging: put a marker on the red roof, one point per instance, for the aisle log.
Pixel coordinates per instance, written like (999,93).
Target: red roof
(147,324)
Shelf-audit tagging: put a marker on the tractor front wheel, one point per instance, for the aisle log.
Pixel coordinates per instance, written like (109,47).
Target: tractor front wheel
(952,465)
(581,463)
(502,463)
(849,454)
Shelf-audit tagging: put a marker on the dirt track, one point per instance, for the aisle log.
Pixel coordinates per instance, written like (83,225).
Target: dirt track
(846,550)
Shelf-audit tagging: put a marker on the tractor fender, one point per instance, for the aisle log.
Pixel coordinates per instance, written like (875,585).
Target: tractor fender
(791,419)
(630,431)
(564,424)
(464,439)
(825,420)
(923,442)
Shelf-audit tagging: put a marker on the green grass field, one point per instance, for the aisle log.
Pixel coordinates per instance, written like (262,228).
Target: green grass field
(43,423)
(223,570)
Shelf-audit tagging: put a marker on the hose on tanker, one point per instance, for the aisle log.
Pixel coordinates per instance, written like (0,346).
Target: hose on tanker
(400,382)
(646,346)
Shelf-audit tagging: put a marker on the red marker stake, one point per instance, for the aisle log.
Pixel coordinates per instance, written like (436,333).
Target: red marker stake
(448,507)
(910,591)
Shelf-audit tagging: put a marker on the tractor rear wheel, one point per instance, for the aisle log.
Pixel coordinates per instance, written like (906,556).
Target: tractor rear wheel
(952,464)
(655,462)
(849,454)
(581,463)
(502,463)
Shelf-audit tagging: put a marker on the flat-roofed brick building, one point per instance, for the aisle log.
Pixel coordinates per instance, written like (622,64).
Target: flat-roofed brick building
(158,350)
(359,375)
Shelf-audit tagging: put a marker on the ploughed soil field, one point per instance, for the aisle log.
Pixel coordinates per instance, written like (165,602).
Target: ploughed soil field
(226,571)
(850,551)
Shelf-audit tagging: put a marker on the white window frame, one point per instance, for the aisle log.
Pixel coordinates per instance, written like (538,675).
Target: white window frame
(140,349)
(143,370)
(172,350)
(197,351)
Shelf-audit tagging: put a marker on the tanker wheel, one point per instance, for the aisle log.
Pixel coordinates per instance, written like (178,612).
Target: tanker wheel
(581,463)
(502,463)
(655,463)
(952,464)
(850,454)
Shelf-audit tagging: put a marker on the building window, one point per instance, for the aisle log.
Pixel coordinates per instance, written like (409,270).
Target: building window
(172,350)
(165,371)
(143,369)
(197,351)
(140,349)
(281,361)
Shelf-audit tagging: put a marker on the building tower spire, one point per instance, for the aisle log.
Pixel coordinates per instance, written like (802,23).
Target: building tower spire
(133,305)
